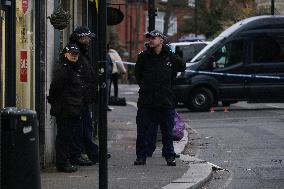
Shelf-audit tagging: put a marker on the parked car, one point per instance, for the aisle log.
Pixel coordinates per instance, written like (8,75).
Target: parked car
(187,50)
(244,63)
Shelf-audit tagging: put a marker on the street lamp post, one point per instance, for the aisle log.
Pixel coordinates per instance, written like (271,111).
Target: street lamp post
(102,22)
(195,18)
(272,7)
(151,15)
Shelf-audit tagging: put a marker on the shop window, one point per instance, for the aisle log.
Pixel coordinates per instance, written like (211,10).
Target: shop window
(159,23)
(78,11)
(25,92)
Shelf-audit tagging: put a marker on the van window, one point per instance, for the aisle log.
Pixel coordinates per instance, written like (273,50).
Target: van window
(229,54)
(268,49)
(187,52)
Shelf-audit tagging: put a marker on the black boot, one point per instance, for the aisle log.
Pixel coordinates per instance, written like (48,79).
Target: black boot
(108,156)
(176,155)
(97,159)
(67,168)
(171,162)
(81,162)
(140,161)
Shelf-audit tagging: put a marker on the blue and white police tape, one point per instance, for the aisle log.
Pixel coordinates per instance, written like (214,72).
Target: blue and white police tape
(128,63)
(235,75)
(225,74)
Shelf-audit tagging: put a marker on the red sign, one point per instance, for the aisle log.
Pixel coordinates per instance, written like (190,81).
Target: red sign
(23,65)
(25,5)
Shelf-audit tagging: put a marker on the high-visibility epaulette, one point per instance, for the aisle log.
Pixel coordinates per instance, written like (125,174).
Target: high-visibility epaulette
(140,52)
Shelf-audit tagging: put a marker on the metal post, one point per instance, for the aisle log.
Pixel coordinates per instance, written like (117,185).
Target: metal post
(195,18)
(93,23)
(103,174)
(272,7)
(126,25)
(37,58)
(38,88)
(151,14)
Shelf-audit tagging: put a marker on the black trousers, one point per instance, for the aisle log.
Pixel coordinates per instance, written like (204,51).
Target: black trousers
(114,80)
(147,121)
(83,138)
(65,130)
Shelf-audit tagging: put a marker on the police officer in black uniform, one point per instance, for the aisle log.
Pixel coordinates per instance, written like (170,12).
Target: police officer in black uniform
(69,91)
(83,140)
(155,71)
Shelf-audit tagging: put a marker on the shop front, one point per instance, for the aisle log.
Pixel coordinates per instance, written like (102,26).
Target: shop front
(17,54)
(25,55)
(30,47)
(55,40)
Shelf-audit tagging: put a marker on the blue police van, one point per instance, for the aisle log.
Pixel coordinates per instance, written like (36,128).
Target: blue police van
(244,63)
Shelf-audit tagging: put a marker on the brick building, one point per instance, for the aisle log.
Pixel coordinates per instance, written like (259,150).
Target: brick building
(132,29)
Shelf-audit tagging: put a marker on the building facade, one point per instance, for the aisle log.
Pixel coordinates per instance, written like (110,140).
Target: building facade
(30,47)
(135,23)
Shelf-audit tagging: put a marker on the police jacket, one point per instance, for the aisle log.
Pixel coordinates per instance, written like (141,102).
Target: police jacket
(71,88)
(85,60)
(89,77)
(155,75)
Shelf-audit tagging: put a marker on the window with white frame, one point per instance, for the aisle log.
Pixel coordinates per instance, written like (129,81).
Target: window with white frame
(191,3)
(159,23)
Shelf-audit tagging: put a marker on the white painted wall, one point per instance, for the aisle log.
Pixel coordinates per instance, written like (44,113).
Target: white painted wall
(50,128)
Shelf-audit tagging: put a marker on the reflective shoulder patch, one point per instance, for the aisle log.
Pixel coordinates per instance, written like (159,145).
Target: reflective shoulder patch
(141,52)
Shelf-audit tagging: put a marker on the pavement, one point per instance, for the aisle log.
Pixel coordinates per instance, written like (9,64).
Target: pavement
(190,171)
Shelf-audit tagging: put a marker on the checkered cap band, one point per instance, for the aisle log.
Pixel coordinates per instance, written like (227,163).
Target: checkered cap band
(84,34)
(154,33)
(82,31)
(72,48)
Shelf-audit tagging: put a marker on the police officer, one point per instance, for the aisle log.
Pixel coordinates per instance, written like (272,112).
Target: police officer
(155,71)
(67,95)
(83,141)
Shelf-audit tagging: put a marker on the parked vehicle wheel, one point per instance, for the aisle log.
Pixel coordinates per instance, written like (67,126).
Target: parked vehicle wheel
(201,99)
